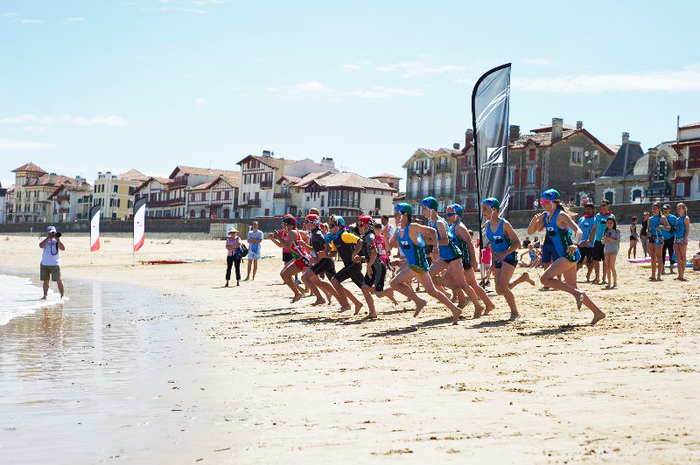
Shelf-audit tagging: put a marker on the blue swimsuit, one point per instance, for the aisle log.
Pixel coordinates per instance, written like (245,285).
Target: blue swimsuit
(414,253)
(561,239)
(500,243)
(450,251)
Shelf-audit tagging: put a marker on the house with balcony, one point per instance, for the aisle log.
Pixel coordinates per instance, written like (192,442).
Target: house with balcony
(3,200)
(432,173)
(686,164)
(347,194)
(155,191)
(266,183)
(9,205)
(389,179)
(115,193)
(216,199)
(65,204)
(33,187)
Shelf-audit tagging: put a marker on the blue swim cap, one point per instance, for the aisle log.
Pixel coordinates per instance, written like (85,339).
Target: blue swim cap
(551,194)
(457,208)
(492,202)
(430,202)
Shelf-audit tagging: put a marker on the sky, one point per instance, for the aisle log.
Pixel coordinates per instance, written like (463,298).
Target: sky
(88,86)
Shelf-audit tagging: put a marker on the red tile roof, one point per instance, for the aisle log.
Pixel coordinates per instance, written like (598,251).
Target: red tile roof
(566,127)
(385,175)
(29,168)
(272,162)
(202,171)
(351,180)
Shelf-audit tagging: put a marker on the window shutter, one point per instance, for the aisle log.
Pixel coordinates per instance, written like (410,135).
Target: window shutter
(517,178)
(538,177)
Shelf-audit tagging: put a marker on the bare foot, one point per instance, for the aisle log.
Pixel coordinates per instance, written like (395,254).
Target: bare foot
(597,316)
(514,316)
(488,309)
(419,306)
(297,297)
(478,311)
(372,316)
(462,303)
(344,308)
(246,278)
(44,298)
(526,277)
(318,302)
(358,307)
(455,317)
(391,297)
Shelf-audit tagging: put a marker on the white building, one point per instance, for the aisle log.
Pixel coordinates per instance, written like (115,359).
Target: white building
(686,167)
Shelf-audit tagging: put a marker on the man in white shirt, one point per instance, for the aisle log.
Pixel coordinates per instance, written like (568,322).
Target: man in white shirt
(50,268)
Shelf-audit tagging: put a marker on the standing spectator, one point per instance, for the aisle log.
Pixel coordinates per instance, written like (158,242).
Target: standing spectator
(611,245)
(255,238)
(644,234)
(668,235)
(233,256)
(597,232)
(585,223)
(633,239)
(681,238)
(50,268)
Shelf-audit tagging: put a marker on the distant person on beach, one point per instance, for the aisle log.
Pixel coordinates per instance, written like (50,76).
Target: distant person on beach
(644,234)
(696,260)
(598,230)
(657,222)
(611,246)
(668,235)
(634,238)
(255,238)
(233,255)
(680,244)
(50,268)
(586,246)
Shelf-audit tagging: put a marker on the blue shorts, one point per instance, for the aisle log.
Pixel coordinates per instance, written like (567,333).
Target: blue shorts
(549,253)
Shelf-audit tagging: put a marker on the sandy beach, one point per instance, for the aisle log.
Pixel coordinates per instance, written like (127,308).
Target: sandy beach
(266,381)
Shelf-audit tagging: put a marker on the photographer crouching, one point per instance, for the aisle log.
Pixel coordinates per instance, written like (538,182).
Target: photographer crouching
(50,268)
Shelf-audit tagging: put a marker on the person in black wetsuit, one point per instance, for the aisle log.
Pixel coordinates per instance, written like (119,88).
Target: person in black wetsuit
(321,265)
(343,242)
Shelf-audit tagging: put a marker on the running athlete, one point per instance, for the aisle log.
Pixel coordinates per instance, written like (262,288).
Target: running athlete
(450,261)
(321,264)
(376,270)
(504,244)
(554,217)
(463,240)
(290,239)
(585,223)
(343,242)
(409,239)
(681,239)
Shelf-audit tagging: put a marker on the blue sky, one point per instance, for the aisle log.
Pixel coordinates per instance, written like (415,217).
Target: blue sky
(92,86)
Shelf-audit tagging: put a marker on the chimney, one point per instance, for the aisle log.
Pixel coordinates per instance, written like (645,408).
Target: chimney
(455,146)
(52,178)
(557,128)
(267,153)
(653,163)
(469,136)
(625,138)
(579,125)
(328,163)
(514,133)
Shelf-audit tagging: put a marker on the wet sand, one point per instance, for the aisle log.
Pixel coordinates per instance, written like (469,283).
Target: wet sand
(294,383)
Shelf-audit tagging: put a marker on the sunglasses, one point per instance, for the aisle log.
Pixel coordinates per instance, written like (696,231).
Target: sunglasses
(451,214)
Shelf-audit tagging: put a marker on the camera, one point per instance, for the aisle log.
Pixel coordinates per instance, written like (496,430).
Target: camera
(58,234)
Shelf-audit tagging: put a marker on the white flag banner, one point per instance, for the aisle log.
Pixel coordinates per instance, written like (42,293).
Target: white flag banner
(95,228)
(139,223)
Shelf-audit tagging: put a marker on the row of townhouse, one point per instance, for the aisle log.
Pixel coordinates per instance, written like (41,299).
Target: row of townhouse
(273,186)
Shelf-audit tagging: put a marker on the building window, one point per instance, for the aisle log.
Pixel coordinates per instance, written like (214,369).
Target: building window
(511,176)
(576,156)
(116,189)
(680,189)
(532,155)
(531,175)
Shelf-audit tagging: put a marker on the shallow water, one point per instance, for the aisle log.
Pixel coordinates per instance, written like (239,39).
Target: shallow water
(98,377)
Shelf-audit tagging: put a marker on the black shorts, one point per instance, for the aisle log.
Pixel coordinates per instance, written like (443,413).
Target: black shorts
(378,276)
(287,257)
(586,254)
(598,251)
(324,267)
(354,272)
(509,260)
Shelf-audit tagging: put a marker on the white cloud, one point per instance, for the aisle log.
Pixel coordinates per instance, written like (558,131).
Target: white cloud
(9,15)
(686,80)
(34,128)
(73,20)
(31,21)
(112,120)
(175,8)
(10,145)
(350,67)
(387,92)
(538,61)
(315,89)
(199,101)
(411,69)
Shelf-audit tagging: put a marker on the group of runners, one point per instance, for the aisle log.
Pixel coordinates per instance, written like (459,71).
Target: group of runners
(439,255)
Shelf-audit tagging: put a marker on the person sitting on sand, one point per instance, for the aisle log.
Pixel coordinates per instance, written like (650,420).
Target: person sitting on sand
(554,218)
(696,260)
(534,257)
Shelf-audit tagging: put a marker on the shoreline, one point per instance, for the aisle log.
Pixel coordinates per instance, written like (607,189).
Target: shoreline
(314,384)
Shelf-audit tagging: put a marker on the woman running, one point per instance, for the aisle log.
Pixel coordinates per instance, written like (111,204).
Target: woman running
(633,239)
(657,222)
(558,223)
(463,241)
(409,238)
(321,265)
(290,239)
(680,244)
(450,261)
(504,249)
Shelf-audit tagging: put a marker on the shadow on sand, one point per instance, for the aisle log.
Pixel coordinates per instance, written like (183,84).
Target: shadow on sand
(548,332)
(410,329)
(492,324)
